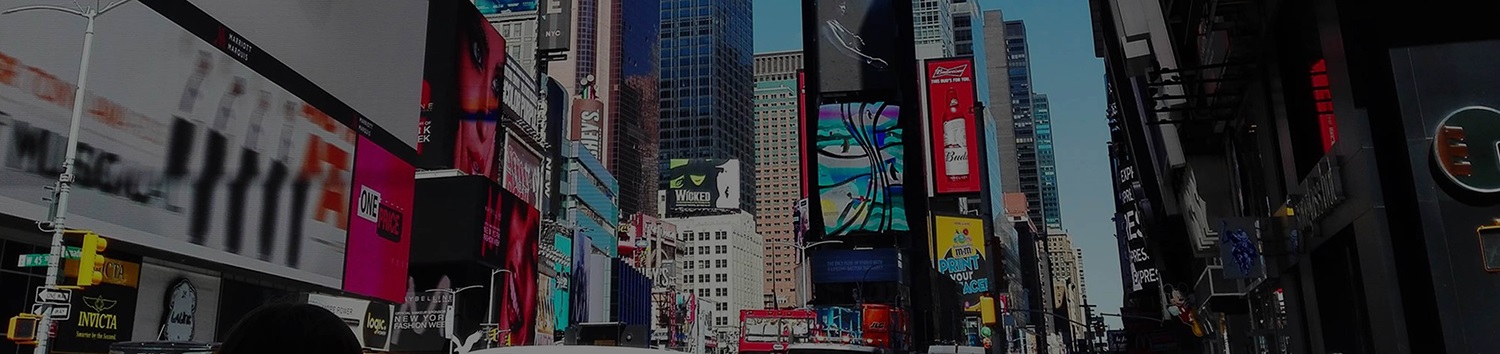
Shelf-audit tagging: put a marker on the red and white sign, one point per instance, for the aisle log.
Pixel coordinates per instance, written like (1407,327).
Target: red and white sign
(523,171)
(954,137)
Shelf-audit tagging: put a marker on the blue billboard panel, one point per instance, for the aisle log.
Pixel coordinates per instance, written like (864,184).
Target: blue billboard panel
(855,266)
(491,7)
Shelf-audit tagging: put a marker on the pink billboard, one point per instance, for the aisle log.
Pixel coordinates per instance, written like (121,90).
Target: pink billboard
(380,228)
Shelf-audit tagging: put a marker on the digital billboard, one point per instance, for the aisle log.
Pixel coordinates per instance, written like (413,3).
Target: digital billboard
(556,24)
(368,320)
(857,47)
(218,150)
(861,168)
(1239,248)
(959,252)
(493,7)
(703,184)
(463,78)
(560,293)
(954,134)
(855,266)
(380,226)
(523,172)
(1451,117)
(102,314)
(518,290)
(546,314)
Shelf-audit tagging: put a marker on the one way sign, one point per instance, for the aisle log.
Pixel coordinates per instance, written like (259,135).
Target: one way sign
(53,296)
(59,312)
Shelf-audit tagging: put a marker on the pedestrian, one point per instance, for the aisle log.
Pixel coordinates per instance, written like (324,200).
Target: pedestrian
(291,329)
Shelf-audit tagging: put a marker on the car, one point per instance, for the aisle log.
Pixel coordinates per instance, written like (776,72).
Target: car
(571,349)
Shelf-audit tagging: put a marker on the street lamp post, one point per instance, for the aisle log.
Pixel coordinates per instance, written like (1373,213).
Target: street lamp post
(489,315)
(448,314)
(65,180)
(797,265)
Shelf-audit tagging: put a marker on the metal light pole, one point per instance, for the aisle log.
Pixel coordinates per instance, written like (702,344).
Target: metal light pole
(448,315)
(797,265)
(489,315)
(65,180)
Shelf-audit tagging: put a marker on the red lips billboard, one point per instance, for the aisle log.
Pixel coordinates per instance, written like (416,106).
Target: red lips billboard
(950,112)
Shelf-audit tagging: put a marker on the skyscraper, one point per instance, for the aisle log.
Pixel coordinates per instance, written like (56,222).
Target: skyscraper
(779,171)
(636,116)
(932,28)
(1046,162)
(1026,165)
(1000,96)
(706,85)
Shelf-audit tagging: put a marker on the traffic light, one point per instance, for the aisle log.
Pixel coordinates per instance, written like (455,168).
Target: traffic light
(22,329)
(987,310)
(91,260)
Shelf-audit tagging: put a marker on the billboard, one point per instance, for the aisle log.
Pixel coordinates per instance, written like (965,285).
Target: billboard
(1451,118)
(950,113)
(959,252)
(176,303)
(217,151)
(589,128)
(370,321)
(560,293)
(523,172)
(765,331)
(836,322)
(1239,248)
(102,314)
(652,244)
(518,305)
(857,50)
(556,25)
(703,184)
(463,81)
(380,227)
(861,167)
(855,266)
(493,7)
(546,313)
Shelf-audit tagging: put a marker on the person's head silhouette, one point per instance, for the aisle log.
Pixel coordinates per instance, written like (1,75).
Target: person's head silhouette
(291,328)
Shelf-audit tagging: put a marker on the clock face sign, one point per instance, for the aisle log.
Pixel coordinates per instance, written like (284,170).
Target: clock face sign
(1466,149)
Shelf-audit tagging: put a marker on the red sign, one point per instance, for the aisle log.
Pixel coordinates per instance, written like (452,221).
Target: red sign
(523,171)
(766,331)
(1328,126)
(954,139)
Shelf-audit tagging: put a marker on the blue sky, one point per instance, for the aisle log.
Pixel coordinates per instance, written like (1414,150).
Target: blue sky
(1064,68)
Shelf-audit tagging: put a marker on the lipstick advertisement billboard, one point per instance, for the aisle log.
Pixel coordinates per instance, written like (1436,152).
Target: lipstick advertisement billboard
(860,168)
(959,252)
(518,290)
(1452,123)
(954,135)
(463,79)
(380,226)
(194,142)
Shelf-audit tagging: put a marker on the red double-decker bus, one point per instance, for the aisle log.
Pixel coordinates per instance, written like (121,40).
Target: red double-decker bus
(771,331)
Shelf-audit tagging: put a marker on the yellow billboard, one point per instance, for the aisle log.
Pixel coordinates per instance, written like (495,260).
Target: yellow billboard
(959,252)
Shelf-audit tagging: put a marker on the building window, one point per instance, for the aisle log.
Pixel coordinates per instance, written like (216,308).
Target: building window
(703,292)
(703,236)
(721,277)
(721,249)
(721,235)
(721,263)
(703,264)
(721,307)
(721,292)
(721,321)
(703,250)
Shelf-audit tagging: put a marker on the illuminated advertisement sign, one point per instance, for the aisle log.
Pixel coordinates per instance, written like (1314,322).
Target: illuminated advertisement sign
(960,253)
(1328,125)
(219,151)
(491,7)
(101,314)
(464,80)
(858,47)
(855,266)
(380,228)
(860,168)
(556,23)
(523,171)
(1131,206)
(700,184)
(954,139)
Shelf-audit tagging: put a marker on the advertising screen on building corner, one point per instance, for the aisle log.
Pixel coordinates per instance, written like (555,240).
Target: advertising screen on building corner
(195,142)
(860,149)
(463,79)
(959,252)
(954,139)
